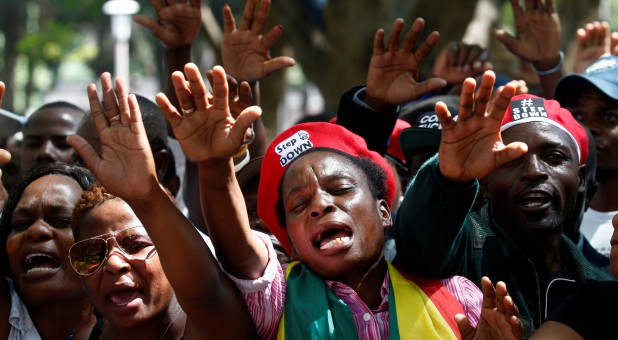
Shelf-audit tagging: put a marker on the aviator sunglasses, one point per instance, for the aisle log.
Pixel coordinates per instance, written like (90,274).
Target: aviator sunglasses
(87,256)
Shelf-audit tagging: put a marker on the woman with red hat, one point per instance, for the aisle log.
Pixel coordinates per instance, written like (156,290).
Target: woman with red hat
(327,199)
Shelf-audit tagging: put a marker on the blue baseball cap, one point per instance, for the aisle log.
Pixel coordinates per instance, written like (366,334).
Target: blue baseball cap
(602,74)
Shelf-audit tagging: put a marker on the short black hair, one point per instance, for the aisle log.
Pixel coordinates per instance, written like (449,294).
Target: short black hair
(56,105)
(376,177)
(81,175)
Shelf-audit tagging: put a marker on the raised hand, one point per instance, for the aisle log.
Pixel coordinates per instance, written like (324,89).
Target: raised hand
(471,147)
(206,129)
(126,166)
(593,42)
(392,78)
(245,51)
(177,24)
(499,316)
(538,33)
(458,61)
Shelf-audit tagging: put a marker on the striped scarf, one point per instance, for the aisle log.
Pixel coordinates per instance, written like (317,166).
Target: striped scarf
(417,308)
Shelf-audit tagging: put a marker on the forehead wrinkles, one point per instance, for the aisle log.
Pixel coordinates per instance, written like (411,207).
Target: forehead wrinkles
(54,190)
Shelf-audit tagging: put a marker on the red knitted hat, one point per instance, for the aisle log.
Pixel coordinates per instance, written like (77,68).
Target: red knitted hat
(527,108)
(291,144)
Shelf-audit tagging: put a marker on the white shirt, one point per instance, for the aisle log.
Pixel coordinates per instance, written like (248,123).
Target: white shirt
(598,229)
(22,327)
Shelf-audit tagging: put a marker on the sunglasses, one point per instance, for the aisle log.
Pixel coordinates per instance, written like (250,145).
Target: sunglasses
(89,255)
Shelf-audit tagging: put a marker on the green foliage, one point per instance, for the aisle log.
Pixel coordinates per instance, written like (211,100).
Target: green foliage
(51,45)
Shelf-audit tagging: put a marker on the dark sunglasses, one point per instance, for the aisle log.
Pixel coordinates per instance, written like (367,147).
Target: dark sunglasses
(88,256)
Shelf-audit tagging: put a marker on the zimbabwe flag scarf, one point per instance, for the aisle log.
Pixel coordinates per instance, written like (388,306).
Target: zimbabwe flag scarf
(417,308)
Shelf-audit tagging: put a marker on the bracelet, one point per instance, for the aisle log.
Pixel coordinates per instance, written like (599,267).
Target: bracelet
(241,151)
(553,69)
(241,164)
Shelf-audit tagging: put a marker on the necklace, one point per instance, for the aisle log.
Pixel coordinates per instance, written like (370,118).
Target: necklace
(172,320)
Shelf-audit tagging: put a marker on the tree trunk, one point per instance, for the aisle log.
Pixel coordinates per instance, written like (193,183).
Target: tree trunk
(13,24)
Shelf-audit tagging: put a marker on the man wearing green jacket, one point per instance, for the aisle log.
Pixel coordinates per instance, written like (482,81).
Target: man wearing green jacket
(525,156)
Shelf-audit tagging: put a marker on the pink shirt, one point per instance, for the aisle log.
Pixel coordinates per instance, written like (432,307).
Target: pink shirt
(265,298)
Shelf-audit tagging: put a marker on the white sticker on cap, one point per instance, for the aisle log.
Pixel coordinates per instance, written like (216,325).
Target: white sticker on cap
(528,108)
(293,147)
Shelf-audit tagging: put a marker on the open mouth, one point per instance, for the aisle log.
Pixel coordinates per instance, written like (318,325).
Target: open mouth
(121,298)
(39,262)
(333,238)
(535,199)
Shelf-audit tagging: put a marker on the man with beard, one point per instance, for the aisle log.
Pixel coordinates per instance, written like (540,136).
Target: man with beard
(592,98)
(527,157)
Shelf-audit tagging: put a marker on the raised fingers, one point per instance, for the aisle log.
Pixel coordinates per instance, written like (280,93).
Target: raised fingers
(122,96)
(483,94)
(100,121)
(169,111)
(412,37)
(271,37)
(466,98)
(197,88)
(427,46)
(260,18)
(378,43)
(502,101)
(110,101)
(219,89)
(444,116)
(135,119)
(229,24)
(247,15)
(489,293)
(395,35)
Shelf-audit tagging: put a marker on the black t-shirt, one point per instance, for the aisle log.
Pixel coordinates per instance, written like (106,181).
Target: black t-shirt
(592,312)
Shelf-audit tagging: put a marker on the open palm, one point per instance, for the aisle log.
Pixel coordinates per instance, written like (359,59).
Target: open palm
(125,166)
(471,147)
(244,50)
(392,77)
(206,129)
(177,25)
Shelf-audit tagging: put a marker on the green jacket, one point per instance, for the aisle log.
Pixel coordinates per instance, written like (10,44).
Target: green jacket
(437,236)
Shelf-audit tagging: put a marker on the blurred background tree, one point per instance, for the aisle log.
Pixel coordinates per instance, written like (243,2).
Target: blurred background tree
(52,48)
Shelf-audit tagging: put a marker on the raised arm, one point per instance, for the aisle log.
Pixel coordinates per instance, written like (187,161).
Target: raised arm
(437,203)
(209,134)
(245,50)
(126,168)
(593,42)
(392,80)
(537,40)
(176,27)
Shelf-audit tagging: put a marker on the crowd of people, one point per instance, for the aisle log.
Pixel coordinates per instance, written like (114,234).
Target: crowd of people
(393,220)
